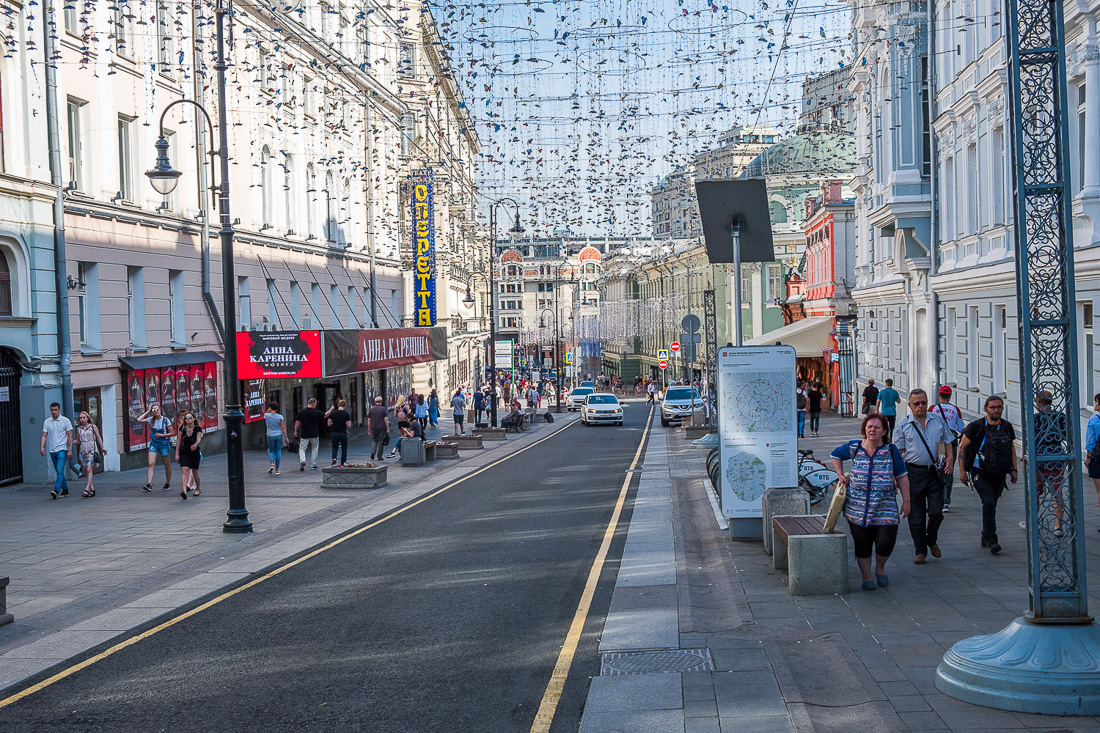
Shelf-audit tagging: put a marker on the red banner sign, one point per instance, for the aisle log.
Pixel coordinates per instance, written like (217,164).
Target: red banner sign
(279,354)
(348,352)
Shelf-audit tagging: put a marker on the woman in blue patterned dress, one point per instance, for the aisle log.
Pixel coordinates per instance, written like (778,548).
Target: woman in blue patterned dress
(871,506)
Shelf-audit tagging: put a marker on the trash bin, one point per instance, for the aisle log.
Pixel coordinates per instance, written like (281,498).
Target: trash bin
(412,452)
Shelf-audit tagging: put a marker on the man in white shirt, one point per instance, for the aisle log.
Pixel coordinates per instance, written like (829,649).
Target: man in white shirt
(57,437)
(953,417)
(917,436)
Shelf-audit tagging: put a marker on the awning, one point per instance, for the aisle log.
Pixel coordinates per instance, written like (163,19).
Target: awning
(163,361)
(809,337)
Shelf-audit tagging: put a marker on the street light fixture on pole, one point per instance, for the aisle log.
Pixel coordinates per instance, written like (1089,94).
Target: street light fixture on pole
(164,179)
(516,231)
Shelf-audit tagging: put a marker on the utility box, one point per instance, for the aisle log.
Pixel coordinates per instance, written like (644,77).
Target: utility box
(412,452)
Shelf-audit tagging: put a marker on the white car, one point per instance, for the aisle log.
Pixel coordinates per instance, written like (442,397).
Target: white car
(599,408)
(576,397)
(680,402)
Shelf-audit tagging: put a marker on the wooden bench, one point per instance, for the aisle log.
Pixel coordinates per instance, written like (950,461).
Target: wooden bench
(518,425)
(816,563)
(5,617)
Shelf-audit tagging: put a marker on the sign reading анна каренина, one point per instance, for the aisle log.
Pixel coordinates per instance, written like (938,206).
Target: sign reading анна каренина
(423,218)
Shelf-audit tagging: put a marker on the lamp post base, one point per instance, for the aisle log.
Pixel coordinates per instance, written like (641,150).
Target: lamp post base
(1030,668)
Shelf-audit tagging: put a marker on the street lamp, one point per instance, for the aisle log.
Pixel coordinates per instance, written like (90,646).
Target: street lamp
(516,231)
(164,179)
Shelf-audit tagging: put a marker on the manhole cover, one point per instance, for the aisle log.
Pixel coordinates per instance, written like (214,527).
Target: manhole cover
(669,660)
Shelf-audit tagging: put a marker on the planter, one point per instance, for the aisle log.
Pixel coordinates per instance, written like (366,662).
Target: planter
(466,442)
(694,432)
(490,433)
(354,478)
(446,450)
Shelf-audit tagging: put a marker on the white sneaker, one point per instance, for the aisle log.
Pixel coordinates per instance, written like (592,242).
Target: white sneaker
(946,508)
(1023,525)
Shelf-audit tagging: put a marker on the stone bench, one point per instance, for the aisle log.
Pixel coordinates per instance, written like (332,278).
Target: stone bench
(429,450)
(490,433)
(5,617)
(816,563)
(791,502)
(354,478)
(446,450)
(466,442)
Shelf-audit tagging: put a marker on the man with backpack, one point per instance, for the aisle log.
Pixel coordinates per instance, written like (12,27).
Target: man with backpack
(954,420)
(989,454)
(802,403)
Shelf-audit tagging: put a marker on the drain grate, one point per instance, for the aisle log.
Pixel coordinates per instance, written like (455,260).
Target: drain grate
(668,660)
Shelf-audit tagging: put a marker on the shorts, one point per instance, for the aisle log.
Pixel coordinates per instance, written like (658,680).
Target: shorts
(161,448)
(459,419)
(1094,467)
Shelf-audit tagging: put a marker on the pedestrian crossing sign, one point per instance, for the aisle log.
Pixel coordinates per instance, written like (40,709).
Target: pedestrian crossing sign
(662,354)
(569,358)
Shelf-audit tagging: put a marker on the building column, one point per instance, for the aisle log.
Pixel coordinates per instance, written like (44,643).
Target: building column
(1091,172)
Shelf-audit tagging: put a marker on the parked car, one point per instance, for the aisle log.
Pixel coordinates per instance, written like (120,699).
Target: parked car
(680,402)
(576,397)
(599,408)
(588,384)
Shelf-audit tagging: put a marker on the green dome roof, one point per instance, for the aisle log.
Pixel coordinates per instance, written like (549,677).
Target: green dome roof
(814,155)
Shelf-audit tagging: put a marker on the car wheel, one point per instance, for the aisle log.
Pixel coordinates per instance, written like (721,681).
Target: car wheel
(664,423)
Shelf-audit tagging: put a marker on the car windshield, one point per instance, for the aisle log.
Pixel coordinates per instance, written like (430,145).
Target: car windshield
(602,399)
(581,392)
(682,393)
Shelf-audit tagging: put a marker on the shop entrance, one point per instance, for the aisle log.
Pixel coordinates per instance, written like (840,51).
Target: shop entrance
(11,439)
(88,400)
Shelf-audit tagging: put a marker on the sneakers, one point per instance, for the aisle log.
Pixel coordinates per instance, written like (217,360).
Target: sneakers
(271,468)
(147,487)
(54,494)
(302,466)
(946,508)
(1023,525)
(167,487)
(333,461)
(276,472)
(314,466)
(994,547)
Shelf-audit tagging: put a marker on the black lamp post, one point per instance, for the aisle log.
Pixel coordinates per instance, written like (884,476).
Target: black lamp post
(515,231)
(164,179)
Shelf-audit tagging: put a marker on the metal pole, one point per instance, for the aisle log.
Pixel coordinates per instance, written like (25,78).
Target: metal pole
(557,340)
(237,521)
(738,326)
(492,317)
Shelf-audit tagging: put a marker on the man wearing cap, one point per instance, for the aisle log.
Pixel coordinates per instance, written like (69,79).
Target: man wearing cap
(954,420)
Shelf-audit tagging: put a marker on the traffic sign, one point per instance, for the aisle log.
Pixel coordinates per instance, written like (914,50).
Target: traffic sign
(675,346)
(569,358)
(662,354)
(663,364)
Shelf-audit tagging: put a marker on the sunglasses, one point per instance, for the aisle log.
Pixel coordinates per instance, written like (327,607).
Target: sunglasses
(189,417)
(919,402)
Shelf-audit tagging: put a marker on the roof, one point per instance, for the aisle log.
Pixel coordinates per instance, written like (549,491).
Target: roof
(818,155)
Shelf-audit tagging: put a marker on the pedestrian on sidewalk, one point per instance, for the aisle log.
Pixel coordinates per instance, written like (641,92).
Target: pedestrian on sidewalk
(338,421)
(916,437)
(378,422)
(870,397)
(989,454)
(188,454)
(1050,439)
(433,409)
(57,437)
(161,432)
(814,395)
(1092,446)
(871,505)
(90,447)
(421,412)
(276,436)
(479,406)
(307,429)
(888,400)
(953,417)
(802,402)
(458,404)
(651,390)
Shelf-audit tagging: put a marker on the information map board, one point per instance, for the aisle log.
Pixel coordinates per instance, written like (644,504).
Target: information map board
(757,425)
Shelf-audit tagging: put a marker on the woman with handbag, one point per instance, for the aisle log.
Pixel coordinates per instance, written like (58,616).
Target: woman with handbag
(188,454)
(91,448)
(871,506)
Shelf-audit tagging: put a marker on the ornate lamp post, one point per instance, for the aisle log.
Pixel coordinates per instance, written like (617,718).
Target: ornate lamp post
(516,231)
(164,179)
(1047,661)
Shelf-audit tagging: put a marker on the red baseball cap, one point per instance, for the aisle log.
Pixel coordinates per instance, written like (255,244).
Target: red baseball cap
(945,391)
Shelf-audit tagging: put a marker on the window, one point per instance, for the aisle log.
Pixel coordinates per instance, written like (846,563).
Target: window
(125,158)
(926,124)
(135,298)
(5,287)
(177,308)
(272,307)
(972,350)
(1081,137)
(315,305)
(746,286)
(308,97)
(290,199)
(948,231)
(75,115)
(334,304)
(330,207)
(775,282)
(406,65)
(1088,353)
(121,25)
(244,300)
(1000,349)
(70,16)
(265,187)
(778,212)
(311,199)
(972,181)
(951,336)
(408,132)
(87,274)
(997,187)
(296,304)
(165,50)
(396,316)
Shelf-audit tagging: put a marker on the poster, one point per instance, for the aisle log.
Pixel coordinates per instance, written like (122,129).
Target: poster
(423,234)
(278,354)
(757,425)
(135,406)
(183,390)
(253,400)
(168,394)
(350,352)
(503,354)
(210,387)
(197,374)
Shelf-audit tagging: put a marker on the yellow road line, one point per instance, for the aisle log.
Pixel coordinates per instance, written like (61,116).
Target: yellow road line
(552,696)
(267,576)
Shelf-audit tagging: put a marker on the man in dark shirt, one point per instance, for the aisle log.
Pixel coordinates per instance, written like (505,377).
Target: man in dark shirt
(307,429)
(338,420)
(870,397)
(378,421)
(989,454)
(479,406)
(814,396)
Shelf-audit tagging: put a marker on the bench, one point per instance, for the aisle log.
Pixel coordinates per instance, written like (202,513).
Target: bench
(429,450)
(5,617)
(816,563)
(490,433)
(517,426)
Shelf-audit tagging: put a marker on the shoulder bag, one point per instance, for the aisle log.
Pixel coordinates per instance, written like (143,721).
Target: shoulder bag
(940,476)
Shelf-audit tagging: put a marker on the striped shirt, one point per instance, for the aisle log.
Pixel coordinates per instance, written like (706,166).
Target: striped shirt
(871,498)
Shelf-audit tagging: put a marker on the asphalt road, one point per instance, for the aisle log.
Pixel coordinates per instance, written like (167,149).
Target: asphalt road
(447,617)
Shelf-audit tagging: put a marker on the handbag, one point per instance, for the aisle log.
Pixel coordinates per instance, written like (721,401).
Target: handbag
(836,506)
(935,462)
(866,408)
(294,445)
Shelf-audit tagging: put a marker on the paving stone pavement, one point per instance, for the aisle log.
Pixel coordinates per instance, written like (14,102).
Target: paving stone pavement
(86,570)
(861,661)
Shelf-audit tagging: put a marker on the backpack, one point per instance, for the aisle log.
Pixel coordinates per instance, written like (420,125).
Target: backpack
(548,417)
(801,400)
(993,456)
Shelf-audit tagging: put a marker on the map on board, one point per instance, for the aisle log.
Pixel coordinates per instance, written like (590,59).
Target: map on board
(746,476)
(759,402)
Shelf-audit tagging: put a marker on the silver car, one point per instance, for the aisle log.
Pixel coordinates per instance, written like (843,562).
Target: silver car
(576,397)
(599,408)
(680,402)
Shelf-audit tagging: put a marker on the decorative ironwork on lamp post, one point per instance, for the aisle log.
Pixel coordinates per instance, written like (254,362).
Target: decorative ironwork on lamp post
(164,179)
(1049,660)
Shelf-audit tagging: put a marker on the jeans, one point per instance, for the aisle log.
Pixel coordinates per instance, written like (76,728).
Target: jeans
(275,449)
(478,411)
(926,506)
(801,422)
(815,421)
(378,442)
(308,444)
(60,463)
(989,493)
(397,445)
(340,445)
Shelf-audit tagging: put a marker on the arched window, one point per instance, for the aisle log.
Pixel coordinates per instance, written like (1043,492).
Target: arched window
(290,199)
(265,186)
(311,202)
(779,212)
(330,207)
(5,286)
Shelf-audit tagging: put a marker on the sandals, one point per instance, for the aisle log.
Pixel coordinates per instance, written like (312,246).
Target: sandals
(197,492)
(88,493)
